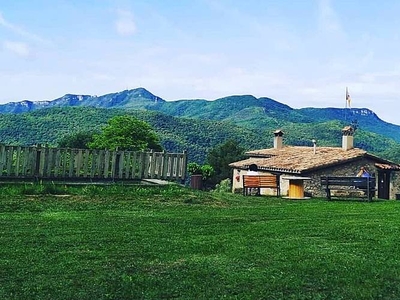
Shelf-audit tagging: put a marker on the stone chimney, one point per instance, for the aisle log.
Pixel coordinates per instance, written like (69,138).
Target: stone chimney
(278,137)
(347,138)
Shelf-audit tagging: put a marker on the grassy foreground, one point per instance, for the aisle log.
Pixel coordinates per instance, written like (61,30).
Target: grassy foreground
(174,243)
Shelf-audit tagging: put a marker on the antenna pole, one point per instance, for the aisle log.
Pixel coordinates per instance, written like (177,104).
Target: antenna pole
(345,105)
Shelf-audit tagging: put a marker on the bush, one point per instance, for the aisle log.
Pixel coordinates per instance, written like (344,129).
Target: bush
(205,170)
(194,168)
(224,186)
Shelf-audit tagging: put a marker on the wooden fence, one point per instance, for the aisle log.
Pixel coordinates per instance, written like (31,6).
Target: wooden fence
(37,162)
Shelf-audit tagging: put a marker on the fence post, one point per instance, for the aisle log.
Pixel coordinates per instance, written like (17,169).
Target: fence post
(2,158)
(41,162)
(38,151)
(164,167)
(114,164)
(145,165)
(184,166)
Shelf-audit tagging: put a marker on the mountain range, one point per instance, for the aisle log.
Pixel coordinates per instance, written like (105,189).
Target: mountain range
(245,117)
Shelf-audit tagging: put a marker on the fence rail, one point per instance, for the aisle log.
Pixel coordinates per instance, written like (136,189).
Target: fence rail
(85,164)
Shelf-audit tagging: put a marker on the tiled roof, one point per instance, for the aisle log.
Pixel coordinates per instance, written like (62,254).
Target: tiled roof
(388,166)
(296,159)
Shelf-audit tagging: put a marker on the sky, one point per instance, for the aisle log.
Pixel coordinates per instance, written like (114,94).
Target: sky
(303,53)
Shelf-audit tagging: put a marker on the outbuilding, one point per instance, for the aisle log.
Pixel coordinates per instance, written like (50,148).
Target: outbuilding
(313,162)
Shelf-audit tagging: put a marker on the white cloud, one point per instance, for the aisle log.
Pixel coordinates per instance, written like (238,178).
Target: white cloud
(125,24)
(328,20)
(21,31)
(18,48)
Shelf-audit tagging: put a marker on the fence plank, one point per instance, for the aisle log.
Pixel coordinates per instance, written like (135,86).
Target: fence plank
(50,162)
(127,164)
(78,162)
(41,161)
(2,158)
(100,161)
(71,162)
(86,163)
(64,159)
(57,163)
(134,166)
(44,162)
(95,155)
(121,162)
(114,167)
(9,158)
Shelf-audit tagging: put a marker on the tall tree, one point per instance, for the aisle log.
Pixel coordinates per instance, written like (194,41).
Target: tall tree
(78,140)
(221,156)
(126,133)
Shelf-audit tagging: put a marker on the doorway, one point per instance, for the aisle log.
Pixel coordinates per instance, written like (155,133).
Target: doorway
(383,184)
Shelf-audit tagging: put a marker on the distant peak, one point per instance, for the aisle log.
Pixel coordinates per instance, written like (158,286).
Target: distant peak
(141,89)
(140,92)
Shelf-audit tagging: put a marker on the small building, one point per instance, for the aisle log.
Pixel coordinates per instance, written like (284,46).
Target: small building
(314,162)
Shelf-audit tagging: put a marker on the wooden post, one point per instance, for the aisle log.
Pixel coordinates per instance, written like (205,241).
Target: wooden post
(120,162)
(115,164)
(10,153)
(106,163)
(142,165)
(71,162)
(152,163)
(2,158)
(127,168)
(164,166)
(17,161)
(37,159)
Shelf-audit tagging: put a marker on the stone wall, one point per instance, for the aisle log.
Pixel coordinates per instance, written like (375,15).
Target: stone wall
(394,185)
(313,187)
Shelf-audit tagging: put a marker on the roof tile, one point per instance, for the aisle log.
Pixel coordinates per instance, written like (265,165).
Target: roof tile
(297,159)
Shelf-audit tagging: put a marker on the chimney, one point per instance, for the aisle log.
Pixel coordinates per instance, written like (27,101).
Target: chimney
(278,139)
(347,138)
(314,145)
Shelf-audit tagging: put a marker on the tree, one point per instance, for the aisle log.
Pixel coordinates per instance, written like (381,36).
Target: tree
(206,171)
(221,156)
(78,140)
(126,133)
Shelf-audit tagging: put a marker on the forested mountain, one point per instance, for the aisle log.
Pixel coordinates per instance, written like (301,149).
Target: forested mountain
(197,125)
(244,110)
(136,98)
(48,126)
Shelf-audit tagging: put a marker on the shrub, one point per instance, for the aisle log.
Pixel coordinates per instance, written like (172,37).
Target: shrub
(224,186)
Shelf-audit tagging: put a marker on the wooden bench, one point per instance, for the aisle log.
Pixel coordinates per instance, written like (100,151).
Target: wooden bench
(364,184)
(260,181)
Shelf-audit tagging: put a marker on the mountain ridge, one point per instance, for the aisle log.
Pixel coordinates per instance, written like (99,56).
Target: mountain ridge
(243,110)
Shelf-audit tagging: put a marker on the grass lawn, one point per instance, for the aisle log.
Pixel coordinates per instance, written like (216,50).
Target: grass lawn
(174,243)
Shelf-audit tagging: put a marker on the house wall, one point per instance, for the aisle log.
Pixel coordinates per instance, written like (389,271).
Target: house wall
(313,187)
(237,183)
(394,185)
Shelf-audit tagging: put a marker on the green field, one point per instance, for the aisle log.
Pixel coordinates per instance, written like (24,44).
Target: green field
(174,243)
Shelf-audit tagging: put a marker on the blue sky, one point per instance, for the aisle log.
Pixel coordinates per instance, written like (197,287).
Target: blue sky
(301,52)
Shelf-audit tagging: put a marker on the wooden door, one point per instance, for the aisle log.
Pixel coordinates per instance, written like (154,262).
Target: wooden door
(383,184)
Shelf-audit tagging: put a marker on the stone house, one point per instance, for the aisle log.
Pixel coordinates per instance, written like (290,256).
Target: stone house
(314,162)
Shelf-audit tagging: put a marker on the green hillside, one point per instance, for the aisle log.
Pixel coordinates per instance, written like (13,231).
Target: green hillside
(259,115)
(48,126)
(365,118)
(197,136)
